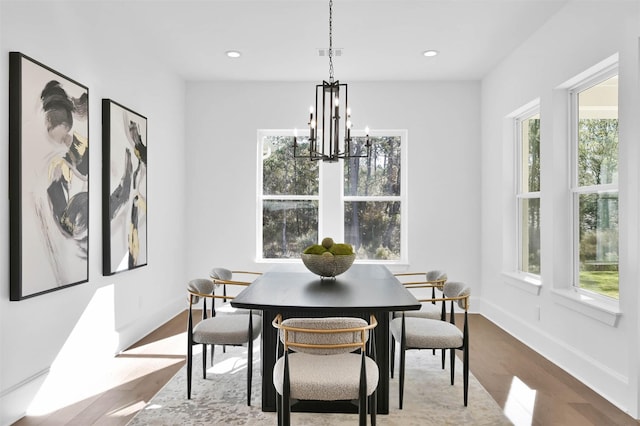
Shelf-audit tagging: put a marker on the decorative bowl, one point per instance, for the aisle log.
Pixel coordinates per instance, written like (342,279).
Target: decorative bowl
(328,265)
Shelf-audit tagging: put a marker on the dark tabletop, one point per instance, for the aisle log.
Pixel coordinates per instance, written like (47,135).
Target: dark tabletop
(363,288)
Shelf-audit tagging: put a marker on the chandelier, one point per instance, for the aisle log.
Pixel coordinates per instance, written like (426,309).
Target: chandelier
(332,113)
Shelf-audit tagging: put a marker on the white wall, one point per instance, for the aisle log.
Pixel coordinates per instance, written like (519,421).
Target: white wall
(442,120)
(587,342)
(38,336)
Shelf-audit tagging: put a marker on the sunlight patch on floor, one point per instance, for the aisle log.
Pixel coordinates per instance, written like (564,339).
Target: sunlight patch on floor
(520,403)
(128,410)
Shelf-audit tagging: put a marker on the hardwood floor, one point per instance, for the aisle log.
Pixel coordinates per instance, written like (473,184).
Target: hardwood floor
(530,389)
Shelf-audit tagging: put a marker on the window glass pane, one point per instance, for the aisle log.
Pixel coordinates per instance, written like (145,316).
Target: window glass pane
(282,174)
(598,244)
(373,228)
(376,175)
(530,128)
(288,227)
(530,235)
(598,134)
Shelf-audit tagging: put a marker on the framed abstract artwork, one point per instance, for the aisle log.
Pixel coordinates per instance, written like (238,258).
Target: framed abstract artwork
(48,179)
(124,188)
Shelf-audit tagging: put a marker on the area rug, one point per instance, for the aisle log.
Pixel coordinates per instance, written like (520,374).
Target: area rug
(429,398)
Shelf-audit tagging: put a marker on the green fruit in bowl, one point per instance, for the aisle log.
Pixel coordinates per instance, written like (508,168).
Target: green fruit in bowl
(315,249)
(341,249)
(327,243)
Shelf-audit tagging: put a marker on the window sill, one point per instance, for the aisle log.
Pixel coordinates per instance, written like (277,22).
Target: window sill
(529,283)
(605,312)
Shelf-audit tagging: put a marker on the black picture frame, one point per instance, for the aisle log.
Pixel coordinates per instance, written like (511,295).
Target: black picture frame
(48,179)
(124,191)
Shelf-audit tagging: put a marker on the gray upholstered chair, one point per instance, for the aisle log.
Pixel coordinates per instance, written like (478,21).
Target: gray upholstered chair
(226,277)
(325,359)
(425,333)
(232,330)
(433,280)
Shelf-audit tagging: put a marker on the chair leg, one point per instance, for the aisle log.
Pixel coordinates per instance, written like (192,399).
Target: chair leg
(373,406)
(279,408)
(189,369)
(362,400)
(286,387)
(249,370)
(402,361)
(286,411)
(452,355)
(204,360)
(403,350)
(465,355)
(443,357)
(465,374)
(189,348)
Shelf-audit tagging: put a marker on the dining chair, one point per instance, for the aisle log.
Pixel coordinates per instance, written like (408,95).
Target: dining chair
(226,277)
(325,359)
(433,280)
(426,333)
(231,330)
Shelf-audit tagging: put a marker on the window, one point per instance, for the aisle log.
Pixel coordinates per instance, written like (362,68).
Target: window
(372,201)
(359,200)
(594,138)
(289,198)
(528,191)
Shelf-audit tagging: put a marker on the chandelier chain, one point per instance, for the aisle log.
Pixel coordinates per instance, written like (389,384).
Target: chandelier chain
(331,41)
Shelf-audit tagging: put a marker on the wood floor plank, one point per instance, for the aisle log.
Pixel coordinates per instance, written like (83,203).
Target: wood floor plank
(501,363)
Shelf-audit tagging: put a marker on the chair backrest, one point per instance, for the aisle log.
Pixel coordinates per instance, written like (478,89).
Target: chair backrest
(437,277)
(458,290)
(221,274)
(199,287)
(324,336)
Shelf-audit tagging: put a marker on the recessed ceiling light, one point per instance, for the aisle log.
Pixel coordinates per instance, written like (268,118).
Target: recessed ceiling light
(233,53)
(430,53)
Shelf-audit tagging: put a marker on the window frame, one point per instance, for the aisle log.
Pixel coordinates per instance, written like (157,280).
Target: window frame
(575,189)
(520,193)
(402,198)
(338,198)
(261,197)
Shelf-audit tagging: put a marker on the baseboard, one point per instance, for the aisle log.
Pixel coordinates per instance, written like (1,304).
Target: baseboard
(592,373)
(11,399)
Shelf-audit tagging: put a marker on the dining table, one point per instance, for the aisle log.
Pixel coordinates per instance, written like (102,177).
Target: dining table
(293,291)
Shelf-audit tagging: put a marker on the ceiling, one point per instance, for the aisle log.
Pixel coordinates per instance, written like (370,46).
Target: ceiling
(279,40)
